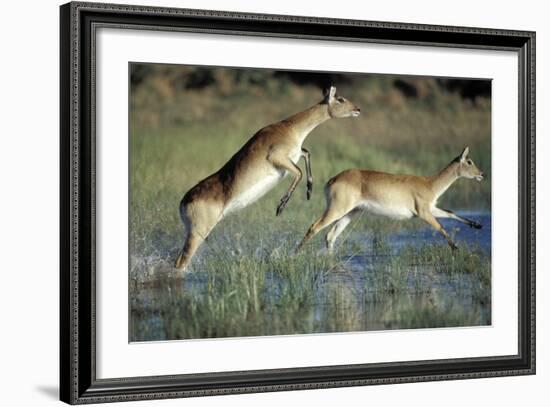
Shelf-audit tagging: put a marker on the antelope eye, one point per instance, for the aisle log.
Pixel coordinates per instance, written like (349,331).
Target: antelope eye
(340,100)
(470,162)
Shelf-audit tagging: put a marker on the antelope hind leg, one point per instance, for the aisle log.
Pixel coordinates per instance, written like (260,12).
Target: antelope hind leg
(335,231)
(190,246)
(325,220)
(199,219)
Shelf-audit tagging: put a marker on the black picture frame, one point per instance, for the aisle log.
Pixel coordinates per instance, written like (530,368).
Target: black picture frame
(78,382)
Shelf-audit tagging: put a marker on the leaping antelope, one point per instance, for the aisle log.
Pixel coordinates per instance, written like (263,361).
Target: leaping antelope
(390,195)
(262,162)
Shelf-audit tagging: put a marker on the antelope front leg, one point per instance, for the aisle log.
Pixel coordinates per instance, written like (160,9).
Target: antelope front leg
(286,164)
(307,158)
(429,218)
(445,213)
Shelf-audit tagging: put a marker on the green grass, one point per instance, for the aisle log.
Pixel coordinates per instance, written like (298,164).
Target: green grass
(248,294)
(243,280)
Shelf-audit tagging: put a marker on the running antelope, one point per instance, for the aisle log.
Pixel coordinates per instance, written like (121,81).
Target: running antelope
(257,167)
(393,196)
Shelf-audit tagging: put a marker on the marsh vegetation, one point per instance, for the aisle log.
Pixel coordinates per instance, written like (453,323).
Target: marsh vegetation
(245,281)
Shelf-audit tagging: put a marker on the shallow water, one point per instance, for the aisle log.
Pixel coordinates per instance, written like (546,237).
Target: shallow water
(426,286)
(363,291)
(462,234)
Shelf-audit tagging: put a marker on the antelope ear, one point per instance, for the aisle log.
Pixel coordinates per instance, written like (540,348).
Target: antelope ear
(329,96)
(465,153)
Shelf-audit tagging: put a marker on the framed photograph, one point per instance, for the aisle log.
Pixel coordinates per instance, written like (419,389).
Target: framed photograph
(255,203)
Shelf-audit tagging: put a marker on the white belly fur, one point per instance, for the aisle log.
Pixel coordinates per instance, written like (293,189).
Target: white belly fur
(261,187)
(394,212)
(253,193)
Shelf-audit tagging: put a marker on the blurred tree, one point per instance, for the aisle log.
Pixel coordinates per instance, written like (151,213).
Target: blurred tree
(468,88)
(139,72)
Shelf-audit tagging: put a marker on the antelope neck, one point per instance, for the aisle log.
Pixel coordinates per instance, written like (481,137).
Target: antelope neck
(304,122)
(444,179)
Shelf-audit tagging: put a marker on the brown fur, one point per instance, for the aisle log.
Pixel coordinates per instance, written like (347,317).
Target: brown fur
(266,157)
(394,195)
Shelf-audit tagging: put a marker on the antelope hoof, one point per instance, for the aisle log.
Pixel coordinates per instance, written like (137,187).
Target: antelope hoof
(476,225)
(179,262)
(453,246)
(309,189)
(280,207)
